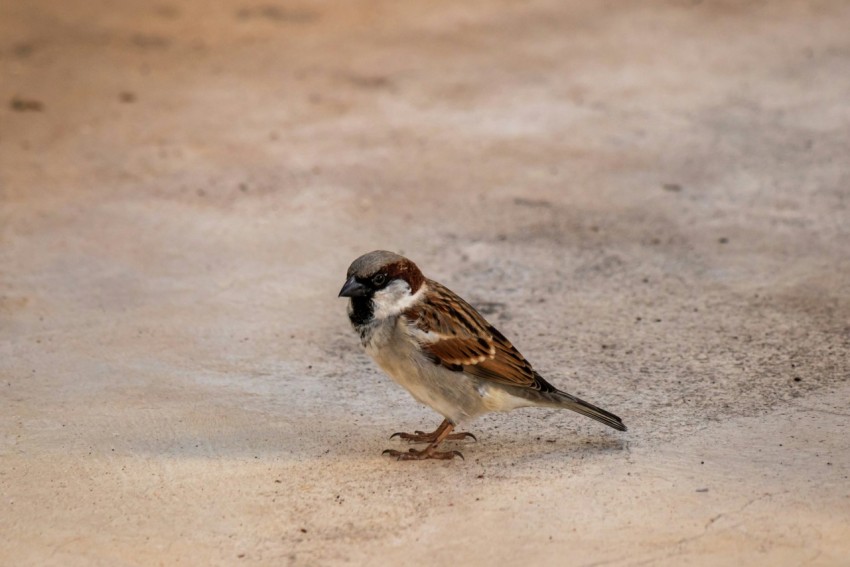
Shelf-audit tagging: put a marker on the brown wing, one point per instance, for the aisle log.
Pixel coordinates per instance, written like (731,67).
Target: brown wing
(458,337)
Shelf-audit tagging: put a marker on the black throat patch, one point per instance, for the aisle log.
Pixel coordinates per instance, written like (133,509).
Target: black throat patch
(361,311)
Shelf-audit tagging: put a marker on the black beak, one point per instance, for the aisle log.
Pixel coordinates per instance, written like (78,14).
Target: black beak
(352,288)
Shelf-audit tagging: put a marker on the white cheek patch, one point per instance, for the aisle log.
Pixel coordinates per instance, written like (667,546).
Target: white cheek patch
(394,299)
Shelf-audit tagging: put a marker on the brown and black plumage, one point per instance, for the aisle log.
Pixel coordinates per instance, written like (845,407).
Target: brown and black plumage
(443,351)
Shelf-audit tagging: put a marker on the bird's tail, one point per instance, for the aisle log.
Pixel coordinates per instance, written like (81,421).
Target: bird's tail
(565,400)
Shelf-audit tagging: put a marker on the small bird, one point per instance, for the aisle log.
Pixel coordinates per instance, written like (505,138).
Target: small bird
(443,352)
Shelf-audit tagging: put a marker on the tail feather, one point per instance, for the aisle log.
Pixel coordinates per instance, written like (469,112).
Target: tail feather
(568,401)
(550,395)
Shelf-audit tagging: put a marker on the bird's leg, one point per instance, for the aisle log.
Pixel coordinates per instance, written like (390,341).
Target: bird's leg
(422,437)
(430,452)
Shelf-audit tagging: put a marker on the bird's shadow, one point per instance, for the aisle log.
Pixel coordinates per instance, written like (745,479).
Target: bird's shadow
(531,449)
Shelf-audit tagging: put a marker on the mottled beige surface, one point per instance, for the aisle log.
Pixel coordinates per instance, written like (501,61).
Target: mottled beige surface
(650,199)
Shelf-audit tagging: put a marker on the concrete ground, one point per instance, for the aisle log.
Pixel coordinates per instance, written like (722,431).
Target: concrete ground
(650,199)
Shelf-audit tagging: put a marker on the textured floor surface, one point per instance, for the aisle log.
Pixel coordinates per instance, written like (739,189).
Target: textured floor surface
(652,200)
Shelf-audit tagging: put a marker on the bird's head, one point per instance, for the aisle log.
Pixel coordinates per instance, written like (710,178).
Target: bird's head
(381,284)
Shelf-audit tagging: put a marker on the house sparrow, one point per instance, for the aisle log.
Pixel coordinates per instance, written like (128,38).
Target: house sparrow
(443,351)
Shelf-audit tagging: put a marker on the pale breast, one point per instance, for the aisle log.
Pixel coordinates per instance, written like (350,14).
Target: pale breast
(455,395)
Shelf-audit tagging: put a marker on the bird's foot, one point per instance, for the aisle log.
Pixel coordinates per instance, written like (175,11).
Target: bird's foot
(427,453)
(422,437)
(433,439)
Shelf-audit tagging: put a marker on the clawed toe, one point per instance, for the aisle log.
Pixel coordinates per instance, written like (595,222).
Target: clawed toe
(462,435)
(414,455)
(420,437)
(417,437)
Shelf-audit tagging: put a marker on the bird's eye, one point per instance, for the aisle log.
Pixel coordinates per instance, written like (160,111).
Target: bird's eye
(379,279)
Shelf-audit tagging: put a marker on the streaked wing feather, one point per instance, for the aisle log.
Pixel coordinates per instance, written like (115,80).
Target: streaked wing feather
(459,338)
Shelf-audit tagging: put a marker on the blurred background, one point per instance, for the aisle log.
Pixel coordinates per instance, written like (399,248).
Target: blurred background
(650,199)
